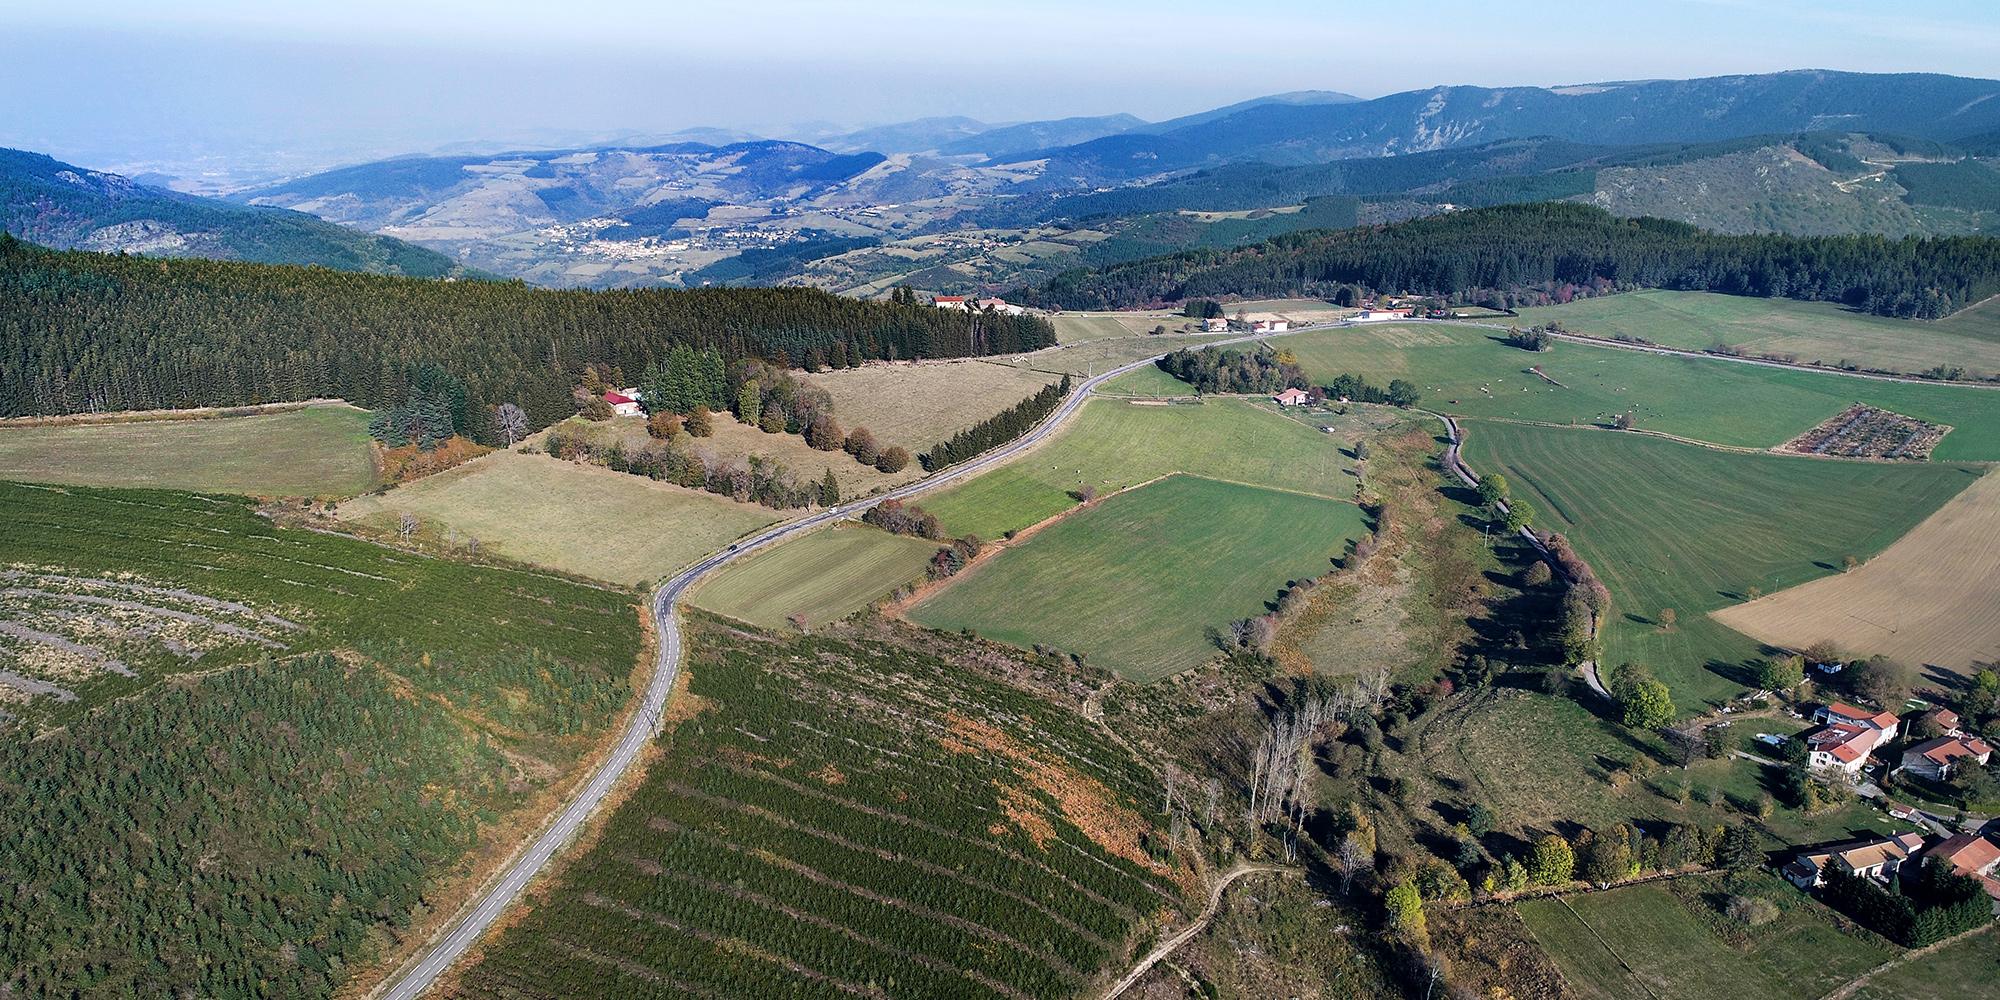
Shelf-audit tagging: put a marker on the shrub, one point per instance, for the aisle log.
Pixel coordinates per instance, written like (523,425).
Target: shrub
(597,409)
(1751,911)
(700,423)
(663,425)
(894,458)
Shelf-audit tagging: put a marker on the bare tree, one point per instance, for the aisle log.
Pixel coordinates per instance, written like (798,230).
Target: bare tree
(406,527)
(1352,858)
(512,422)
(1172,777)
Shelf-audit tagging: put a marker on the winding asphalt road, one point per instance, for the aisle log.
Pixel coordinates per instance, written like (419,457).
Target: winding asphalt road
(413,979)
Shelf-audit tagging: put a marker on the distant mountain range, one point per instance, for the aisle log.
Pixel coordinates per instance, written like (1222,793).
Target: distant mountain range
(56,204)
(953,202)
(1916,104)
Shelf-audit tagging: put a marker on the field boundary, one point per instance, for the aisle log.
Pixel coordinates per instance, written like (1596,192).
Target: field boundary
(173,415)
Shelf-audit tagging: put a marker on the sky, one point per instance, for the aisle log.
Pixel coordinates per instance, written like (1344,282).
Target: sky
(239,87)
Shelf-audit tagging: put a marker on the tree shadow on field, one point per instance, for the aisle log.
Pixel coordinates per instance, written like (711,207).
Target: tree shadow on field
(1639,619)
(1464,496)
(1742,674)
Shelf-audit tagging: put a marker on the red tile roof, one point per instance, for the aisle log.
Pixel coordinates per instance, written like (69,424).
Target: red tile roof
(617,398)
(1967,854)
(1945,749)
(1880,720)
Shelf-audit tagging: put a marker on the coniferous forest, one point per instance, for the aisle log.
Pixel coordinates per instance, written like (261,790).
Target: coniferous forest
(1521,254)
(82,332)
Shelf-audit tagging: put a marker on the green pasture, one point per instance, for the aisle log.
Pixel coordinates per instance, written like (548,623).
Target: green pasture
(1470,371)
(1134,582)
(825,576)
(1822,332)
(1653,940)
(1672,525)
(313,451)
(1113,444)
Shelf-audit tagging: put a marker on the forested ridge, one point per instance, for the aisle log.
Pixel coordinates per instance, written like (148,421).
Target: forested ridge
(83,331)
(1526,253)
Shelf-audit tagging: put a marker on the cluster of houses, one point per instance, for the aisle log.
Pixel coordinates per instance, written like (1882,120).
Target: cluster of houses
(1972,855)
(1847,738)
(970,304)
(1222,324)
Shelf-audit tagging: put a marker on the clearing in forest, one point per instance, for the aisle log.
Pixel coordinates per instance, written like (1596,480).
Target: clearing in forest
(1811,332)
(868,811)
(1111,444)
(1932,598)
(826,575)
(1670,939)
(318,451)
(1672,525)
(1472,372)
(581,519)
(1135,581)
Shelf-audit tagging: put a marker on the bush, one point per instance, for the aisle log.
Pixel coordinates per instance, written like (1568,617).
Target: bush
(894,458)
(1751,911)
(664,425)
(700,423)
(597,409)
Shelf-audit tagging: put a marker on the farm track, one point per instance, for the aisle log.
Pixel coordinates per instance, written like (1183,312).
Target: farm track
(1170,945)
(493,900)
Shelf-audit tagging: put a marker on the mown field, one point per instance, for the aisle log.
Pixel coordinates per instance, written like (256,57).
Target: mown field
(1670,941)
(316,451)
(1468,371)
(1146,381)
(1932,598)
(1670,525)
(870,813)
(1816,332)
(321,730)
(1134,581)
(1112,444)
(1077,327)
(581,519)
(826,575)
(917,405)
(1961,970)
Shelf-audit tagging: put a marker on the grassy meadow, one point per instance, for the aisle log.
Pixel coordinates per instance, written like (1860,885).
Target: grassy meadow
(1113,444)
(1671,525)
(1669,940)
(581,519)
(1134,581)
(919,404)
(734,441)
(316,451)
(1469,371)
(1816,332)
(1961,970)
(825,576)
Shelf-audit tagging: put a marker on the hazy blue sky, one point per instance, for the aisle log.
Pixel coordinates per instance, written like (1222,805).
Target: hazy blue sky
(125,84)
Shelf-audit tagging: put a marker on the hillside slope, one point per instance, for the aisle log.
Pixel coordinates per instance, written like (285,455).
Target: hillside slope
(1922,104)
(56,204)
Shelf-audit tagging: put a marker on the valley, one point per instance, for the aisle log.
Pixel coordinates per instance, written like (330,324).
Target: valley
(1529,542)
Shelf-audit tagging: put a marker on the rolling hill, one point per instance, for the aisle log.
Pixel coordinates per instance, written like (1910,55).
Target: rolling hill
(1927,105)
(47,201)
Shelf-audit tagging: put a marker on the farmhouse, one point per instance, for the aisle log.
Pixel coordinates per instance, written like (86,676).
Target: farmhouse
(624,402)
(951,302)
(1292,397)
(1001,306)
(1878,859)
(1381,315)
(1842,746)
(1269,325)
(1841,712)
(1216,324)
(1937,759)
(1946,720)
(1972,856)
